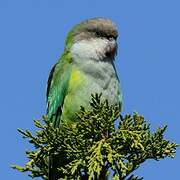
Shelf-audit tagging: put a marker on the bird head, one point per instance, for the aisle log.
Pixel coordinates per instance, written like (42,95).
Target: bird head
(93,39)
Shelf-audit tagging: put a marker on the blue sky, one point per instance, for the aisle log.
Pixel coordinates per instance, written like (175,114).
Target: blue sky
(32,34)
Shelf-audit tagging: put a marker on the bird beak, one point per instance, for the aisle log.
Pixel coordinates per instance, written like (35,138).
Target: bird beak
(112,49)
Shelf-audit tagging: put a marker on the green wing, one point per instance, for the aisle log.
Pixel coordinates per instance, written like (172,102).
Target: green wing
(57,88)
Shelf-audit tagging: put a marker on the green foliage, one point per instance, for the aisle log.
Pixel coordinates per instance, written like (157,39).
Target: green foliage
(102,141)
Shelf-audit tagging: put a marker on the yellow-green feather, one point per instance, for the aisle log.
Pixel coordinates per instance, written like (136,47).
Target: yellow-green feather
(72,101)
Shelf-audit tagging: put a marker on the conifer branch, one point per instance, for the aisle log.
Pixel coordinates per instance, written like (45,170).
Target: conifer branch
(102,141)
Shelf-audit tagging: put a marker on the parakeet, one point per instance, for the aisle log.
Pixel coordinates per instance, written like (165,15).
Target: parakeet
(86,67)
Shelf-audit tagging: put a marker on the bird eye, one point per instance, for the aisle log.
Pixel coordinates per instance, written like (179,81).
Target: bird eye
(110,37)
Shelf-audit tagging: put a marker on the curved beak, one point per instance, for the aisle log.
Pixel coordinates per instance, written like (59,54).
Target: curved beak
(112,49)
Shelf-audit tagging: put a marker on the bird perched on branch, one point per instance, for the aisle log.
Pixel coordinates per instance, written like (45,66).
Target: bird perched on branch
(86,67)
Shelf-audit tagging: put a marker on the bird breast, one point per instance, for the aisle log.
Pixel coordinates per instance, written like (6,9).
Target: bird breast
(99,76)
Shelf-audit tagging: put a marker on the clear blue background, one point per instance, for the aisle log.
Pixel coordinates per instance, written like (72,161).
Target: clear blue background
(32,34)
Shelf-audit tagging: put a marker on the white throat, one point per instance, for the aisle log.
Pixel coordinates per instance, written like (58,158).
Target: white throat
(90,49)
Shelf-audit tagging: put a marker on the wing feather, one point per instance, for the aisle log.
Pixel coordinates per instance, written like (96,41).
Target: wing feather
(57,87)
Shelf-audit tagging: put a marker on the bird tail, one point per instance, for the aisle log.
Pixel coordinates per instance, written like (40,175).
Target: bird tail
(54,163)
